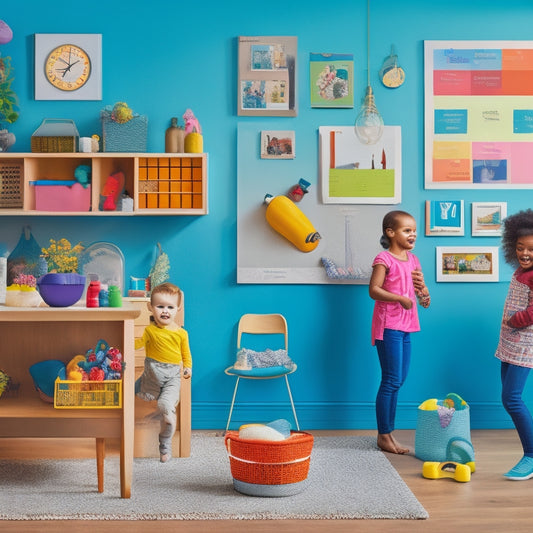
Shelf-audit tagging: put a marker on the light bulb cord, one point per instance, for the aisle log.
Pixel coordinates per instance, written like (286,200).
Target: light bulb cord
(368,42)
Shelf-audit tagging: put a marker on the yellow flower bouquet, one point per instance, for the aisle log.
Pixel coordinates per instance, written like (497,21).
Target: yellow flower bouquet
(61,256)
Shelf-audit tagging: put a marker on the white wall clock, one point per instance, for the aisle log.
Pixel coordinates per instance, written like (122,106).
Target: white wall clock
(68,66)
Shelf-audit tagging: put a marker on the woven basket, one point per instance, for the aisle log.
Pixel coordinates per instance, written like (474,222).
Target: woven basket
(11,184)
(435,443)
(270,462)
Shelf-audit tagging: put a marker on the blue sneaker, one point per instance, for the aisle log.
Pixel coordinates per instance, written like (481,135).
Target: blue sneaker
(522,471)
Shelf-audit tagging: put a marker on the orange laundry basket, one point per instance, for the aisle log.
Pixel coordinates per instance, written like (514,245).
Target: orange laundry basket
(261,462)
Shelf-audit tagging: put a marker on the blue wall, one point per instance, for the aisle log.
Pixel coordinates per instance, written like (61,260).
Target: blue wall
(163,57)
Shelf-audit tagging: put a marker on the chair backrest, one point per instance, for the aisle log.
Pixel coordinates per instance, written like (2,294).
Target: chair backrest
(257,324)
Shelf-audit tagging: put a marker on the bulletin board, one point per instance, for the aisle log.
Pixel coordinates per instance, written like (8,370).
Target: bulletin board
(350,233)
(478,114)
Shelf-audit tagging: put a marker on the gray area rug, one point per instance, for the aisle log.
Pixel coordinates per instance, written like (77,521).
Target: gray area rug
(349,478)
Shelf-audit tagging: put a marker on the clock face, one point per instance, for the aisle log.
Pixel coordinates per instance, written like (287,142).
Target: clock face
(67,67)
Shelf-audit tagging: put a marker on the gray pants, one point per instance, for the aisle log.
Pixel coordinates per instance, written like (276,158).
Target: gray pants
(161,382)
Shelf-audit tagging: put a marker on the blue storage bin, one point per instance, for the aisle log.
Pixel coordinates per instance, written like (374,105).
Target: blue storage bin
(129,136)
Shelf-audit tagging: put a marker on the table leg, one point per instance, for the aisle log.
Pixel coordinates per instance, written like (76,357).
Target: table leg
(100,456)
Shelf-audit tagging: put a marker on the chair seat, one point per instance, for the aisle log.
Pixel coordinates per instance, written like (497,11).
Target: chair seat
(266,372)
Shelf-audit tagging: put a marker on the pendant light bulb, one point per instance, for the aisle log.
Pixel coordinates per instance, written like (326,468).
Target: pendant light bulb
(369,123)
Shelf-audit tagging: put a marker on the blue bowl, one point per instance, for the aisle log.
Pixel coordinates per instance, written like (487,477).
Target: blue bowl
(61,290)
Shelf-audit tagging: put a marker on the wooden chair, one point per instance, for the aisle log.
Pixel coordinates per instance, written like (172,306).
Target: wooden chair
(262,324)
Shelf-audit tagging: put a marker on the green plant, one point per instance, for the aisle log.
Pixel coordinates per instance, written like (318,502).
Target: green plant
(8,97)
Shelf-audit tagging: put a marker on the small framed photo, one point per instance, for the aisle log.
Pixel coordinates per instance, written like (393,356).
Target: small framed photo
(487,218)
(445,217)
(467,263)
(277,144)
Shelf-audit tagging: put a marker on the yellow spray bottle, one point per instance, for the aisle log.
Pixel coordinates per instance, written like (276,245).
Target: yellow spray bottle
(288,220)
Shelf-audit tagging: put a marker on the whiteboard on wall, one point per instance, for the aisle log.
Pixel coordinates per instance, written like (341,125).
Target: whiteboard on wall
(350,233)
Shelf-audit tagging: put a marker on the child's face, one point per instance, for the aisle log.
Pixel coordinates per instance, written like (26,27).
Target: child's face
(524,251)
(164,308)
(404,235)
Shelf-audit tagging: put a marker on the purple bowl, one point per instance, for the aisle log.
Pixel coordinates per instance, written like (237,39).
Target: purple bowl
(61,290)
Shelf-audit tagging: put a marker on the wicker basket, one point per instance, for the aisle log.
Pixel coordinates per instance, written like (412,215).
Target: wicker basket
(270,462)
(11,176)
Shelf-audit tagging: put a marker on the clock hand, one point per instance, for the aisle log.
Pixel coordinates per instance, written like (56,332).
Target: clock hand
(66,69)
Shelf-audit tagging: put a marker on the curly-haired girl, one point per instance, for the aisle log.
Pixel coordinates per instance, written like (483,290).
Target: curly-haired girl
(515,348)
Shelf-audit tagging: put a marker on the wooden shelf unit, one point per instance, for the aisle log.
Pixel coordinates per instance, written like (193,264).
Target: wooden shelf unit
(160,184)
(30,335)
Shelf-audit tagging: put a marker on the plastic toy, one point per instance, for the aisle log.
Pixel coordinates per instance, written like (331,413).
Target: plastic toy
(83,175)
(457,471)
(297,192)
(191,122)
(113,188)
(288,220)
(194,142)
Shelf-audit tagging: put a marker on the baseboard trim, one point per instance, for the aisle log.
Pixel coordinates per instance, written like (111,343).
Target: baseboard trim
(342,415)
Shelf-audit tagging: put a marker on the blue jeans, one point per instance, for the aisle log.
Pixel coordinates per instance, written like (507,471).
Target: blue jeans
(394,353)
(513,382)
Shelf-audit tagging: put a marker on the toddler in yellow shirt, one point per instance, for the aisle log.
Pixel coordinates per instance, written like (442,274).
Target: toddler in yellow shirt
(167,351)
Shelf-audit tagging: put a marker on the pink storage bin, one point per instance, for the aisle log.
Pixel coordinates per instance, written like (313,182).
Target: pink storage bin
(56,197)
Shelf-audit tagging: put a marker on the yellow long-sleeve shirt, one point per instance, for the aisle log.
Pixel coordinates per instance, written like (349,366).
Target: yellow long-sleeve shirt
(166,345)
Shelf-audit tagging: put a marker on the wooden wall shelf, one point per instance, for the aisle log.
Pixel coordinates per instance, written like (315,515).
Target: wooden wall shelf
(159,184)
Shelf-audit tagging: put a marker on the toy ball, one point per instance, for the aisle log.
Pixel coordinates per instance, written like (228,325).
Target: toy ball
(122,112)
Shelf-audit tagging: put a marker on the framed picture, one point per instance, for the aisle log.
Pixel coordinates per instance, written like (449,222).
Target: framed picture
(478,113)
(267,76)
(467,263)
(277,145)
(487,218)
(68,66)
(445,217)
(331,78)
(356,173)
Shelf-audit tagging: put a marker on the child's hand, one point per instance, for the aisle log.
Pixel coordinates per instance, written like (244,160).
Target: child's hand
(418,280)
(406,302)
(187,373)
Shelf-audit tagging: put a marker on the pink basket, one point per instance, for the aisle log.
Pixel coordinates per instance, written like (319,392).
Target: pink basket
(62,197)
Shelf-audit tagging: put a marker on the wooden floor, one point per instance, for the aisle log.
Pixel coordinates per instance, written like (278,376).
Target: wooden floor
(488,503)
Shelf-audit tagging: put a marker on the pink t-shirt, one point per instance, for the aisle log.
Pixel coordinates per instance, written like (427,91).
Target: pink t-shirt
(398,279)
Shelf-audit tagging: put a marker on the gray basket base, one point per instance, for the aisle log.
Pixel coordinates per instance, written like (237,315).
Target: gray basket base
(269,491)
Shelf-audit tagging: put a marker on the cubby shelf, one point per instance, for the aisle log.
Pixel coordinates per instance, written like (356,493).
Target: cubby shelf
(158,183)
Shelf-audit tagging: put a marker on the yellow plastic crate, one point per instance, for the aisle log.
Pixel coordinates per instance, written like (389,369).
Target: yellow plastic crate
(88,394)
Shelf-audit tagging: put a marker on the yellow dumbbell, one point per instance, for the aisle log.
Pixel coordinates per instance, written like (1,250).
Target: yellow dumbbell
(436,470)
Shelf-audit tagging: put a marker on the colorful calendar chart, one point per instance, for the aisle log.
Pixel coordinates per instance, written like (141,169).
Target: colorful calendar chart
(478,114)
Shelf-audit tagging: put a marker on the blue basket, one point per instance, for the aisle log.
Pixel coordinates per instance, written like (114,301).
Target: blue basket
(451,443)
(129,136)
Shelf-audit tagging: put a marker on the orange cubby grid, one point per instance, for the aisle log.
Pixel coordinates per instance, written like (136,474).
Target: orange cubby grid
(176,183)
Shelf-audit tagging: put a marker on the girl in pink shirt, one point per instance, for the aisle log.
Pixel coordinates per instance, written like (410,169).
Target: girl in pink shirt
(395,285)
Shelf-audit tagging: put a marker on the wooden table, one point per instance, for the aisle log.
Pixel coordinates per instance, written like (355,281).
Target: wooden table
(30,335)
